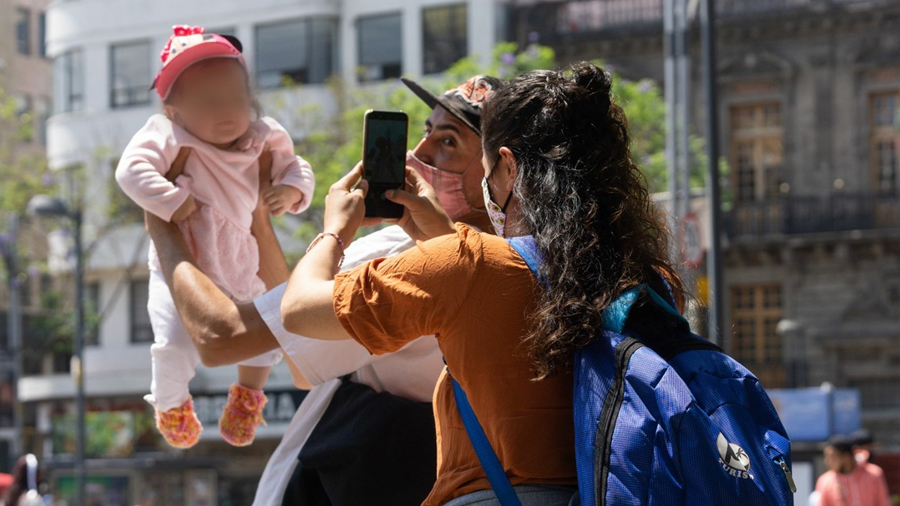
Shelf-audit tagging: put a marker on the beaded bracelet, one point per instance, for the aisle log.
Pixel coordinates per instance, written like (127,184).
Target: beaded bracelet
(336,237)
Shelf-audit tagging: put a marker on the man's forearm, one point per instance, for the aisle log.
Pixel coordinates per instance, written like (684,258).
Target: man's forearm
(273,268)
(223,332)
(307,307)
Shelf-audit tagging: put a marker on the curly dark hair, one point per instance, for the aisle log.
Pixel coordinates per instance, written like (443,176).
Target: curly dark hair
(582,198)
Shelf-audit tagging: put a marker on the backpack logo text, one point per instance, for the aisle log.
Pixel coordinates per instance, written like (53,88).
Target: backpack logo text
(733,459)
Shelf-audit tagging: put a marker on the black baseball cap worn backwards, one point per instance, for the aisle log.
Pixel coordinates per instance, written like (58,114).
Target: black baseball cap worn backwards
(465,102)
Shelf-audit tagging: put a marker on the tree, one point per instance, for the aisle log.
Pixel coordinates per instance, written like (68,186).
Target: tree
(334,146)
(22,170)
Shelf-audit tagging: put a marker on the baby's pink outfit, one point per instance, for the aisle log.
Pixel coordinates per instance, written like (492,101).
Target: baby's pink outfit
(225,185)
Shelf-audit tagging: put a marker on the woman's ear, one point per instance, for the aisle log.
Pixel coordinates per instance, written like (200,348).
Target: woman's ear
(509,160)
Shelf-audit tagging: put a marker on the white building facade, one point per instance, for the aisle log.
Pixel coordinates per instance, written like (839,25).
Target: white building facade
(105,54)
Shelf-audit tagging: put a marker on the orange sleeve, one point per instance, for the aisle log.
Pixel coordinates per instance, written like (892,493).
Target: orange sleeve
(386,303)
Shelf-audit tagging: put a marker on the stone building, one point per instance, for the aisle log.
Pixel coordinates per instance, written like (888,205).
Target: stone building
(809,93)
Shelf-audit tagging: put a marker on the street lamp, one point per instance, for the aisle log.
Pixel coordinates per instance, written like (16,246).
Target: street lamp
(9,251)
(44,205)
(794,332)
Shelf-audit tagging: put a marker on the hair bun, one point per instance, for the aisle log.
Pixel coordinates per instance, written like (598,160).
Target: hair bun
(590,76)
(593,83)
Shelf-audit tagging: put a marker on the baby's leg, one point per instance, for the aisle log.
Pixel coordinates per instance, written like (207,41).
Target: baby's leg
(174,361)
(254,372)
(246,400)
(173,353)
(253,377)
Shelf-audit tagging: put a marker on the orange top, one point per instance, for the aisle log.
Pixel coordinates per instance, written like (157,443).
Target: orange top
(473,292)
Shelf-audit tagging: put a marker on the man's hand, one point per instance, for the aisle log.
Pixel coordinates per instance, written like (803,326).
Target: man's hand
(185,210)
(273,268)
(423,217)
(280,198)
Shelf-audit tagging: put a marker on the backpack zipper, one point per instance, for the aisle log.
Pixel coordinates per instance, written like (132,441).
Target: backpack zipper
(608,416)
(788,475)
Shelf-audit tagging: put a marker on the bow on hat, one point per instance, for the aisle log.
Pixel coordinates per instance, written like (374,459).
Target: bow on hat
(179,31)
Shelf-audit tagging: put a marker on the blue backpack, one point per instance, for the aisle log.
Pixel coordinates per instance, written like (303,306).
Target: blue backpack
(660,419)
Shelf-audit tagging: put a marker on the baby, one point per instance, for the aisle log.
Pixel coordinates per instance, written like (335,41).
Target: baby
(205,88)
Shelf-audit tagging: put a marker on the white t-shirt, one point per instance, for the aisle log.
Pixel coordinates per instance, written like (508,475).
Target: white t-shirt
(411,372)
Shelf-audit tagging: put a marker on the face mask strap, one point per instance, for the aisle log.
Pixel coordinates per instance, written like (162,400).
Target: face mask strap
(508,197)
(469,165)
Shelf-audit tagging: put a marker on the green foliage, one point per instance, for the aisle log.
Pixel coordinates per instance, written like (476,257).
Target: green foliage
(21,170)
(334,144)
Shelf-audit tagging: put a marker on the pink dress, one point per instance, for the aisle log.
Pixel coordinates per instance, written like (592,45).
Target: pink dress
(225,185)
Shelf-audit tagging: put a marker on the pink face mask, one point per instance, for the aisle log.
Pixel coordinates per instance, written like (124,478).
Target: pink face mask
(449,186)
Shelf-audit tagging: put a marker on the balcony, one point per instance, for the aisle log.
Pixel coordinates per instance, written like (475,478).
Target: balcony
(813,214)
(555,19)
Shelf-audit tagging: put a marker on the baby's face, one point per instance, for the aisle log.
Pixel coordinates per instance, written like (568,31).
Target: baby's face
(212,101)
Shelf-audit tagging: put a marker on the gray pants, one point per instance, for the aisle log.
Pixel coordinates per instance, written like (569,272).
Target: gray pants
(529,495)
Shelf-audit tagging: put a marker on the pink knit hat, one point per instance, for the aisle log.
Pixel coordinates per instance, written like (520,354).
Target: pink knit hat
(188,45)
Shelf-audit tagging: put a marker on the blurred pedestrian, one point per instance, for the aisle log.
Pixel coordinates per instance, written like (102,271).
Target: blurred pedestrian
(24,488)
(847,483)
(862,452)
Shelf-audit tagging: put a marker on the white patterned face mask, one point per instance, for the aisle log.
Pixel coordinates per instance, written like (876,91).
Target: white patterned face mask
(496,213)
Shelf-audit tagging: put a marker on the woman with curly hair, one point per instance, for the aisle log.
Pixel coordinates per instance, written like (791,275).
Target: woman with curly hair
(558,168)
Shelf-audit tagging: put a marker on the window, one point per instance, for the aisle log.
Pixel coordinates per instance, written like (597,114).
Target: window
(755,313)
(69,76)
(296,52)
(444,37)
(757,151)
(223,31)
(141,331)
(23,30)
(885,140)
(380,47)
(130,74)
(42,35)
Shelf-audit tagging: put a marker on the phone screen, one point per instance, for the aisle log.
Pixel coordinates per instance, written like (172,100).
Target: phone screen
(384,160)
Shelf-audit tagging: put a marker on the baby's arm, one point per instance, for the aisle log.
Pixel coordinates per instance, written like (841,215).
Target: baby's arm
(142,168)
(289,172)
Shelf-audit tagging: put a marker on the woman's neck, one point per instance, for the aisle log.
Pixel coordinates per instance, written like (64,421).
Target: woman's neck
(515,227)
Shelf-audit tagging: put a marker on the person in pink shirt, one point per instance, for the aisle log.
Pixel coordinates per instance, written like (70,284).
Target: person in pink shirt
(862,451)
(208,125)
(846,483)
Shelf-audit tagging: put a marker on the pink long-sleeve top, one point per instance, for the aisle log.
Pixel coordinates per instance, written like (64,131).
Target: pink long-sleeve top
(859,488)
(225,185)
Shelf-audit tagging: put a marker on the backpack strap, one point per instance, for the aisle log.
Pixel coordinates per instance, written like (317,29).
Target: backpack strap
(486,455)
(527,249)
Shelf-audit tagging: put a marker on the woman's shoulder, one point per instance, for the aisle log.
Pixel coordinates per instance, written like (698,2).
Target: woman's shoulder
(477,246)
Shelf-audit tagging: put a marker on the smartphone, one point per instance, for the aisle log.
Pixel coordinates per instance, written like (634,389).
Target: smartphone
(384,160)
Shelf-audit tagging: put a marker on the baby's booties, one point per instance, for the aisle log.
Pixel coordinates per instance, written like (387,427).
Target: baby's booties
(242,415)
(180,426)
